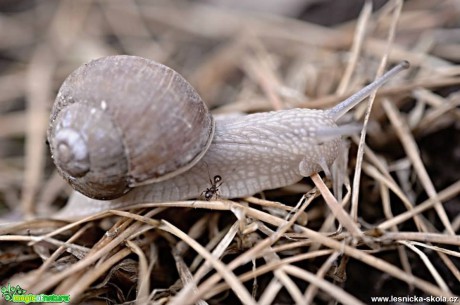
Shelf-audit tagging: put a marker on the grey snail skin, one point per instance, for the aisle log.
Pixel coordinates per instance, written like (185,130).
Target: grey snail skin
(127,130)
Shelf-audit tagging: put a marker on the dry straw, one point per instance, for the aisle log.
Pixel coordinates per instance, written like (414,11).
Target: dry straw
(395,227)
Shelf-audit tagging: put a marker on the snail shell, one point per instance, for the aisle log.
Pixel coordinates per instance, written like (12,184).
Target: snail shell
(102,110)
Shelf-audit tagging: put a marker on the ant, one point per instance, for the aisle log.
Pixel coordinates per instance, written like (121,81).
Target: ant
(214,189)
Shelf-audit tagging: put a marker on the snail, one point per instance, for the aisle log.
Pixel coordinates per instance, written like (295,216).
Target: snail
(132,130)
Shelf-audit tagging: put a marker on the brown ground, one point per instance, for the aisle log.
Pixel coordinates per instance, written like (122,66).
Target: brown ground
(248,60)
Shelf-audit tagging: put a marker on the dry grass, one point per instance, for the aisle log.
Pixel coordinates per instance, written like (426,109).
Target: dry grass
(392,231)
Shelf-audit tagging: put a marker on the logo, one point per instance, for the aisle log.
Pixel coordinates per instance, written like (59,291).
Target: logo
(16,294)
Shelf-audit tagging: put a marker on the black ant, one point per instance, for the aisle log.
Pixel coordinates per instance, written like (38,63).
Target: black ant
(214,189)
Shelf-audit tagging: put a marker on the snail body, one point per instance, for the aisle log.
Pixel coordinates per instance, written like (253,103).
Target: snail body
(247,159)
(251,152)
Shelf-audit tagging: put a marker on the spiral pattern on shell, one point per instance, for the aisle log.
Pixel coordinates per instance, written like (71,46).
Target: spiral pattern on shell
(123,121)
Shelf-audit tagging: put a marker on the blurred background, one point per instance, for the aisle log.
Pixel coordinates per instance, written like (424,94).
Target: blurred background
(241,56)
